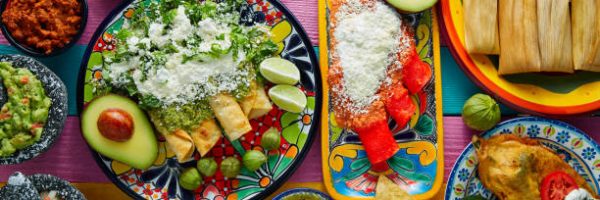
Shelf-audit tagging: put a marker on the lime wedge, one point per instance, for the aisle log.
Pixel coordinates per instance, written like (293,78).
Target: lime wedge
(288,98)
(279,71)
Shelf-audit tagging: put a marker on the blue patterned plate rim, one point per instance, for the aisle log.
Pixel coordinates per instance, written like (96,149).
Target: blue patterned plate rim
(469,148)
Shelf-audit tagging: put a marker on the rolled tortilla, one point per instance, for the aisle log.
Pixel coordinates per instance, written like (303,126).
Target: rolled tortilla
(248,102)
(262,104)
(178,141)
(181,144)
(230,116)
(206,136)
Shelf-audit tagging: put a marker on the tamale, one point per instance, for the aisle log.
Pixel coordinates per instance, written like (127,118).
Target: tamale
(554,33)
(584,18)
(481,26)
(518,37)
(593,60)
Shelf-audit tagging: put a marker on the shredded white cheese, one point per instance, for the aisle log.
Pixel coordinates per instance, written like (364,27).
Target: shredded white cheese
(179,81)
(367,41)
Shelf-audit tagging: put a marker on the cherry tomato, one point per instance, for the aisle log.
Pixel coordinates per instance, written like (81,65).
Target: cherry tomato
(557,185)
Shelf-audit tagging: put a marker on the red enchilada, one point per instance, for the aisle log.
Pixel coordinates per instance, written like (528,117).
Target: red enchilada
(374,67)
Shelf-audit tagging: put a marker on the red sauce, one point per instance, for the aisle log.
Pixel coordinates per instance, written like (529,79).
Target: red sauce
(43,24)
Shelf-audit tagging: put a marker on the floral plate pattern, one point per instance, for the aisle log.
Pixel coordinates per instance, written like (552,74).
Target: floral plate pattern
(577,149)
(418,166)
(161,180)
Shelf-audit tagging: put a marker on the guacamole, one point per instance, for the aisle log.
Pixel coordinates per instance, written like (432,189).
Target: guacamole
(303,196)
(24,115)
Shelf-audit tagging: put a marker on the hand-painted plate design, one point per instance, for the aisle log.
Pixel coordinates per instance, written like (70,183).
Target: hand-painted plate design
(577,149)
(418,166)
(298,129)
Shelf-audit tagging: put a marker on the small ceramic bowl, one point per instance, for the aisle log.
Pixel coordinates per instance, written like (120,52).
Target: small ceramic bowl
(298,191)
(36,52)
(57,115)
(22,187)
(47,182)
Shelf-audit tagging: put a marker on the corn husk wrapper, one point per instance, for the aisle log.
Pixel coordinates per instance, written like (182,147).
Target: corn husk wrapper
(481,26)
(585,18)
(554,33)
(518,37)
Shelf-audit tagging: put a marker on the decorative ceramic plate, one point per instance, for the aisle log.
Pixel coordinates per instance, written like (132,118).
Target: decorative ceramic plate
(298,129)
(56,90)
(21,187)
(346,170)
(577,149)
(534,93)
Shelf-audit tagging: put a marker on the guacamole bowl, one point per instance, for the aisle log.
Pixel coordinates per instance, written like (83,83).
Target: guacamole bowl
(55,90)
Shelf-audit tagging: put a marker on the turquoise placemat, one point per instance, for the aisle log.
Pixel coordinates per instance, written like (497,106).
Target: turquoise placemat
(456,87)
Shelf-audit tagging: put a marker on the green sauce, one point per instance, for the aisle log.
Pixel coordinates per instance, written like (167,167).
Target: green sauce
(23,117)
(302,196)
(246,45)
(187,117)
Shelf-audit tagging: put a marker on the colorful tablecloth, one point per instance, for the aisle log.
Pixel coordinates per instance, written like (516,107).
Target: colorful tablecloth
(71,159)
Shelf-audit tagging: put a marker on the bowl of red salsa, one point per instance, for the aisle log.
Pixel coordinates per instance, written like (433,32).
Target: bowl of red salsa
(43,28)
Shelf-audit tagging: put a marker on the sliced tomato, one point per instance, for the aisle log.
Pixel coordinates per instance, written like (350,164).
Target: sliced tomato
(399,105)
(378,141)
(557,185)
(416,74)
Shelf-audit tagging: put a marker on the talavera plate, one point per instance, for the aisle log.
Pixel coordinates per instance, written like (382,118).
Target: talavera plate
(298,129)
(570,143)
(346,170)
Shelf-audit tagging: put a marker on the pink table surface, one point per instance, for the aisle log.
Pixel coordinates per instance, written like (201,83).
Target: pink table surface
(71,159)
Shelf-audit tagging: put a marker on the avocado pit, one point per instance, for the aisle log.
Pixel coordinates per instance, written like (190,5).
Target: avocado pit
(115,124)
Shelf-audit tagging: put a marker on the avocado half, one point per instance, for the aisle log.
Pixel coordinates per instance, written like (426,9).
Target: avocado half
(140,151)
(412,6)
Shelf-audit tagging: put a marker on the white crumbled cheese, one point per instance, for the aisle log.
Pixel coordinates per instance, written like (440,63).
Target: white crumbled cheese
(210,30)
(367,42)
(132,43)
(174,81)
(117,70)
(155,32)
(178,82)
(181,27)
(18,179)
(579,194)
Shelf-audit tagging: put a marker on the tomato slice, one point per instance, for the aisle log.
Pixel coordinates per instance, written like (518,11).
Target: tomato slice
(557,185)
(400,106)
(378,141)
(416,74)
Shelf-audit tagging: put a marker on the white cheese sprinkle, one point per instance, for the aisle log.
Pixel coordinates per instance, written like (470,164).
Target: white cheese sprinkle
(179,81)
(367,42)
